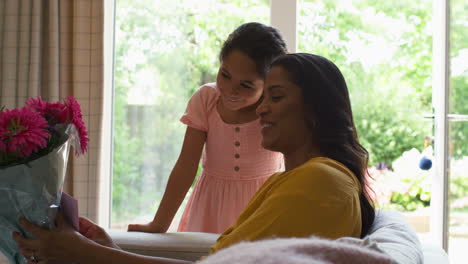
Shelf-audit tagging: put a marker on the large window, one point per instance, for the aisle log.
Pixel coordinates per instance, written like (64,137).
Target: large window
(384,51)
(164,50)
(458,132)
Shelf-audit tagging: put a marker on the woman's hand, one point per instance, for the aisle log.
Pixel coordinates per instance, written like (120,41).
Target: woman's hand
(65,245)
(96,233)
(61,244)
(151,227)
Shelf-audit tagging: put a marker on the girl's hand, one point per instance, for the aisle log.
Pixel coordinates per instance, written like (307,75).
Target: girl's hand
(63,244)
(95,233)
(151,227)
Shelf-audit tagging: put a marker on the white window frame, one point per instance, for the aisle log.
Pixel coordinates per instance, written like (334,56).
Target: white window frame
(440,102)
(105,188)
(283,16)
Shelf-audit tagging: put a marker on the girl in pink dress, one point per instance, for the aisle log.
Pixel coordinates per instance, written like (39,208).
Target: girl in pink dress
(223,126)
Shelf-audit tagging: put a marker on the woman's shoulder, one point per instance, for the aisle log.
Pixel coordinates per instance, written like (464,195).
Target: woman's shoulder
(325,165)
(324,173)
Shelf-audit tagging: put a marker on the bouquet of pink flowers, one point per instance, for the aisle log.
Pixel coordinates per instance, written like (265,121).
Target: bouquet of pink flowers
(34,145)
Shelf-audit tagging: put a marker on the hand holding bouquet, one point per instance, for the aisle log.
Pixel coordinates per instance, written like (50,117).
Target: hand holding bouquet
(34,146)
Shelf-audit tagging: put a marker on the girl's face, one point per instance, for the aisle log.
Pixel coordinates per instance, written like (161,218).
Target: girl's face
(239,82)
(282,114)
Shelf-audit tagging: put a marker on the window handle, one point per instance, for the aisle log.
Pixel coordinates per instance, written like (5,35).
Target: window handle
(450,117)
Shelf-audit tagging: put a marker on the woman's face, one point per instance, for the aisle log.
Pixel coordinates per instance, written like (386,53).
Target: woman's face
(238,81)
(282,113)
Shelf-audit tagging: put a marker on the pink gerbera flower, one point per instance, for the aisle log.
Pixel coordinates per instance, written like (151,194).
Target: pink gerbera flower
(76,118)
(54,113)
(22,131)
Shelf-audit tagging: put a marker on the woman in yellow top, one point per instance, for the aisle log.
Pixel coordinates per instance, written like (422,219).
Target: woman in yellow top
(306,115)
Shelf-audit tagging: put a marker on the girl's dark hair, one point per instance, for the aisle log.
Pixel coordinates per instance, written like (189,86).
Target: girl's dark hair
(329,114)
(259,42)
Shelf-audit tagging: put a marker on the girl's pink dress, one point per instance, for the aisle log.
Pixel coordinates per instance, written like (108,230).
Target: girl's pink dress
(234,166)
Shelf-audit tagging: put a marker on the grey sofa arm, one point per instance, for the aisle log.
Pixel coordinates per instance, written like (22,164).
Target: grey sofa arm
(181,245)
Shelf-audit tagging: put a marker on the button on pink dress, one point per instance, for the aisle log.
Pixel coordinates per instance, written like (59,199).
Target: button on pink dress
(234,166)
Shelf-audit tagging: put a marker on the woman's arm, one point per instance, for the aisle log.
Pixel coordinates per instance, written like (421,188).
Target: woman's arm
(66,245)
(97,254)
(180,180)
(95,233)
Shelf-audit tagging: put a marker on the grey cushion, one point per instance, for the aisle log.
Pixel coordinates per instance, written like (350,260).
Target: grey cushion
(434,254)
(396,237)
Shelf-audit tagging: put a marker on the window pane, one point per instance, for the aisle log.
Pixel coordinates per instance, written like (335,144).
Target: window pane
(458,132)
(458,192)
(384,49)
(164,50)
(459,57)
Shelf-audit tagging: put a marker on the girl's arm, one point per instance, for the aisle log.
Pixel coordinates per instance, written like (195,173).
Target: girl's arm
(180,180)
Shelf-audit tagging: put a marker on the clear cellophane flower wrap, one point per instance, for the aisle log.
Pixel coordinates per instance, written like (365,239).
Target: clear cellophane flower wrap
(31,186)
(32,190)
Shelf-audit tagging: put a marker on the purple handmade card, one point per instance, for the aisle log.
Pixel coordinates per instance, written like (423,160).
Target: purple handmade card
(69,209)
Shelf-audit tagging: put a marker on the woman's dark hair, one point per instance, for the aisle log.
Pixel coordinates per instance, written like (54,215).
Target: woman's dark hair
(259,42)
(329,114)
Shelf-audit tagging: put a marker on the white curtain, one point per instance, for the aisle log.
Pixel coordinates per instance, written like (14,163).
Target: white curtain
(53,49)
